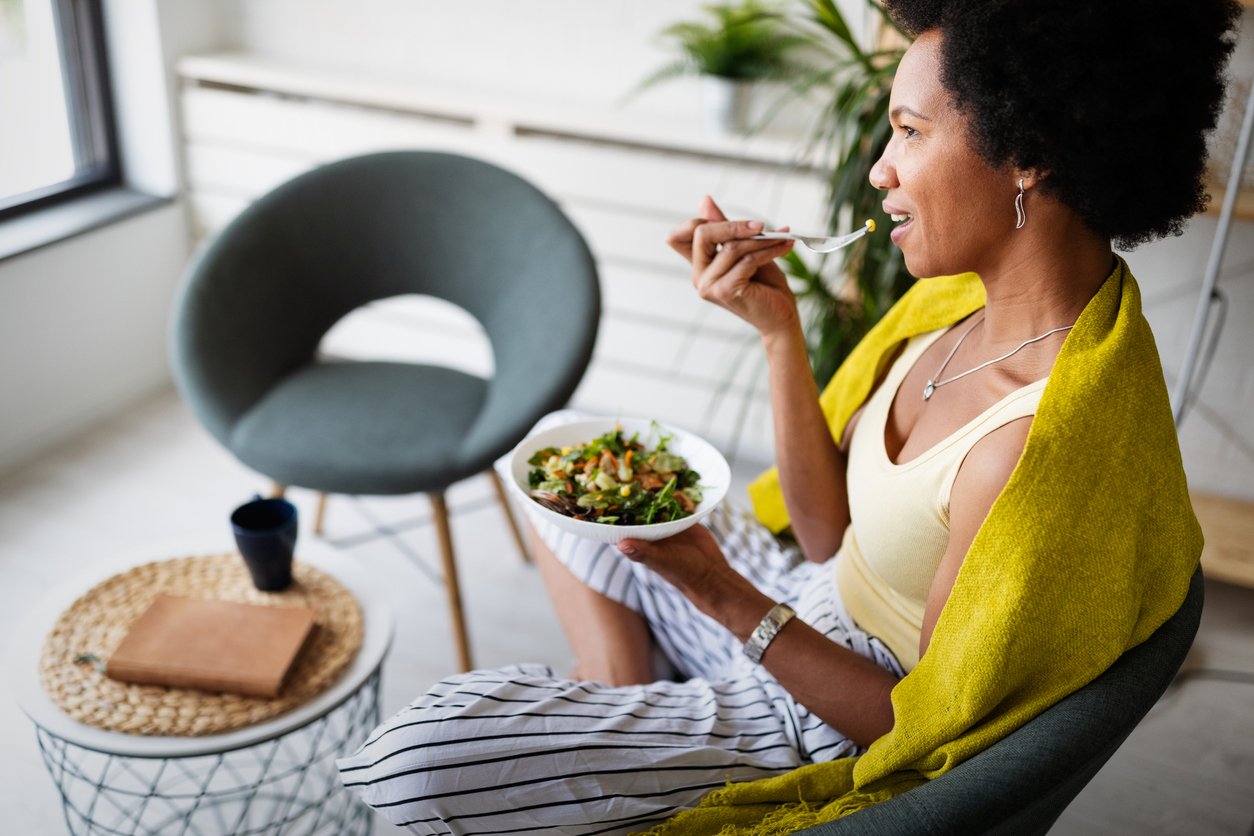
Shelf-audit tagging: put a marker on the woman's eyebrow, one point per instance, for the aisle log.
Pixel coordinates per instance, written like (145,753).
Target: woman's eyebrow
(900,109)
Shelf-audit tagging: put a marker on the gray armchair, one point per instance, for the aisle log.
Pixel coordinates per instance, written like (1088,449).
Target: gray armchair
(259,297)
(1020,785)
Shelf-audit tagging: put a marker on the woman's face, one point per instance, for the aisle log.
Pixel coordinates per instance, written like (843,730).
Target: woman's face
(961,209)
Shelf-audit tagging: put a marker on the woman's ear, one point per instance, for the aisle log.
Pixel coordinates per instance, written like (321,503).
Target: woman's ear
(1031,177)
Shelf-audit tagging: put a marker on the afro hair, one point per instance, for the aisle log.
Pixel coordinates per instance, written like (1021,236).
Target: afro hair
(1111,99)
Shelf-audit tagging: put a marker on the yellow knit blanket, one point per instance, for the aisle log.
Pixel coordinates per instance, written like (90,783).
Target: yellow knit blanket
(1086,552)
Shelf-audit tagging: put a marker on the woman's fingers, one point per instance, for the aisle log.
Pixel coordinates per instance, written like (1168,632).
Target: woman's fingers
(637,550)
(658,553)
(731,270)
(710,210)
(727,253)
(689,560)
(709,238)
(701,240)
(680,240)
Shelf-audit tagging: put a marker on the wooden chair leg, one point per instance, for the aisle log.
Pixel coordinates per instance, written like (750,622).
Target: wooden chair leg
(320,514)
(451,585)
(509,515)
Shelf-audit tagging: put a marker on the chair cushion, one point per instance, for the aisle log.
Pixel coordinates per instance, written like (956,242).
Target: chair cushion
(363,428)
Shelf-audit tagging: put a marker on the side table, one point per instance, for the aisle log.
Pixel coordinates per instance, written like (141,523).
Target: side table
(274,777)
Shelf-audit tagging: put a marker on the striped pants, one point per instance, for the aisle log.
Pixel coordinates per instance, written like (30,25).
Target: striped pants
(521,750)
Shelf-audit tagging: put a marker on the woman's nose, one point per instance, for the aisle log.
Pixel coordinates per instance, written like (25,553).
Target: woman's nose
(883,176)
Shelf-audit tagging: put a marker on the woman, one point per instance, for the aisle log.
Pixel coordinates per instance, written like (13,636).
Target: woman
(943,494)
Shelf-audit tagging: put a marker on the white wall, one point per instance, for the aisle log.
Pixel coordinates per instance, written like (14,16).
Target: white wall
(81,329)
(82,322)
(1217,435)
(564,49)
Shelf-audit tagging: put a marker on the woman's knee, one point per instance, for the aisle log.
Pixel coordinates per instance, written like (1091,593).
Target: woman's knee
(436,751)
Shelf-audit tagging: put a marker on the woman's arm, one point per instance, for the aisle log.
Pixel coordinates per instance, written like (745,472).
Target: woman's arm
(812,468)
(741,276)
(980,480)
(803,660)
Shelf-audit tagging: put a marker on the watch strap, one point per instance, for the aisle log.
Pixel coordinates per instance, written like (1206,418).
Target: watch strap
(766,631)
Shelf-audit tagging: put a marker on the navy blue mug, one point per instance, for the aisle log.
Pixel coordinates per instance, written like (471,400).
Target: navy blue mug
(265,532)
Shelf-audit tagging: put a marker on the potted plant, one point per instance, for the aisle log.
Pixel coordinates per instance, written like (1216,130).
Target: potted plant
(740,44)
(844,295)
(847,87)
(849,84)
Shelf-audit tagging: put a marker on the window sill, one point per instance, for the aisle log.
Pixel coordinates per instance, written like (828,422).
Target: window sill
(42,227)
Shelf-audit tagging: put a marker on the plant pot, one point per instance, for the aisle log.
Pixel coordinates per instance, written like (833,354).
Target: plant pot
(724,104)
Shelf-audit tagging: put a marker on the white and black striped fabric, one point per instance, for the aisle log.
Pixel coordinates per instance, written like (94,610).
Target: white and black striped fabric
(521,750)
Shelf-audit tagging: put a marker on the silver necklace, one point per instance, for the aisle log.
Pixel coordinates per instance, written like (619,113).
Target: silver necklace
(933,383)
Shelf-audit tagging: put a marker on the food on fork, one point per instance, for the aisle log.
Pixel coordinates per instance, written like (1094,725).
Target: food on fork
(819,243)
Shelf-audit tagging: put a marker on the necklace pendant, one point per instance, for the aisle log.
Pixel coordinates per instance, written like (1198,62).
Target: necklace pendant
(928,390)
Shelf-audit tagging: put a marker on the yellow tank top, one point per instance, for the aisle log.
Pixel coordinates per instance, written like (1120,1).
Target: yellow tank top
(899,513)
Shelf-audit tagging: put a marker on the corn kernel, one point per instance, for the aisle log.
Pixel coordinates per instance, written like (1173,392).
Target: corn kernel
(870,225)
(624,491)
(565,451)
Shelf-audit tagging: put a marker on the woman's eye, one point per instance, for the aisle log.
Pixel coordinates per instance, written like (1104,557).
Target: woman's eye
(908,131)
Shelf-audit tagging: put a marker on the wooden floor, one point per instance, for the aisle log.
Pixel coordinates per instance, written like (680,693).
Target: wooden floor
(151,484)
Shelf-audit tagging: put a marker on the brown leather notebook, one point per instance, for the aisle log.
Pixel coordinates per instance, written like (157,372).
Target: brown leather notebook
(214,645)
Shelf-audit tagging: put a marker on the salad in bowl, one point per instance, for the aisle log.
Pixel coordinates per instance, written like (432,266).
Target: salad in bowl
(613,478)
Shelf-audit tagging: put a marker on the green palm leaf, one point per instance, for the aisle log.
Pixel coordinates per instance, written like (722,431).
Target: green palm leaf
(846,295)
(842,296)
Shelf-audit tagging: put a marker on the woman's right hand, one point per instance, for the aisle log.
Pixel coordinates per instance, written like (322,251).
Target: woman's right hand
(743,278)
(734,271)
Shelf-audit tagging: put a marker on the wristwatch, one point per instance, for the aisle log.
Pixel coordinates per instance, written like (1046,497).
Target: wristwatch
(766,631)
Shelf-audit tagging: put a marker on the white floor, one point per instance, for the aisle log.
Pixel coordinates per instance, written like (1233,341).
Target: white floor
(151,478)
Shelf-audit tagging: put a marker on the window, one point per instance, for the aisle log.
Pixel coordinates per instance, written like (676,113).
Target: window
(56,125)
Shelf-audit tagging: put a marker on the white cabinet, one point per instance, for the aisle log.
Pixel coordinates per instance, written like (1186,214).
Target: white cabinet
(661,352)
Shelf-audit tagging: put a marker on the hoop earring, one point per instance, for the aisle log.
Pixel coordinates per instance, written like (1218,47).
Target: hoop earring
(1021,216)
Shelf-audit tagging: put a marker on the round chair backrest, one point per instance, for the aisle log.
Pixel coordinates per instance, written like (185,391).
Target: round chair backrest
(260,296)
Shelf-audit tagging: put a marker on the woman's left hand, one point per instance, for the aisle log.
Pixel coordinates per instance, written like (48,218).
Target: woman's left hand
(803,660)
(693,562)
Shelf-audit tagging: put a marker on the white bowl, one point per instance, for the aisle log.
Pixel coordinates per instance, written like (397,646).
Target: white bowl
(699,453)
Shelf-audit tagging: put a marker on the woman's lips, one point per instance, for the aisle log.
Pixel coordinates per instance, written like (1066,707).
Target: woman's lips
(900,230)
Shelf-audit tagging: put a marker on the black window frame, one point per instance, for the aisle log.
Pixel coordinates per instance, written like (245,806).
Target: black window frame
(89,98)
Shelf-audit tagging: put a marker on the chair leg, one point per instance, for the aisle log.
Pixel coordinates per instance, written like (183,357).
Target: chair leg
(451,585)
(320,514)
(509,515)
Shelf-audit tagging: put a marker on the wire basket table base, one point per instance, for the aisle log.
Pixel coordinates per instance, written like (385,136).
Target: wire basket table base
(288,784)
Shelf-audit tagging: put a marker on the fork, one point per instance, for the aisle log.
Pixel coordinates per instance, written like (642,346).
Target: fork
(819,243)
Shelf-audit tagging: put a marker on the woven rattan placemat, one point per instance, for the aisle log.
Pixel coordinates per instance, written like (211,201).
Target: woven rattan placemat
(95,624)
